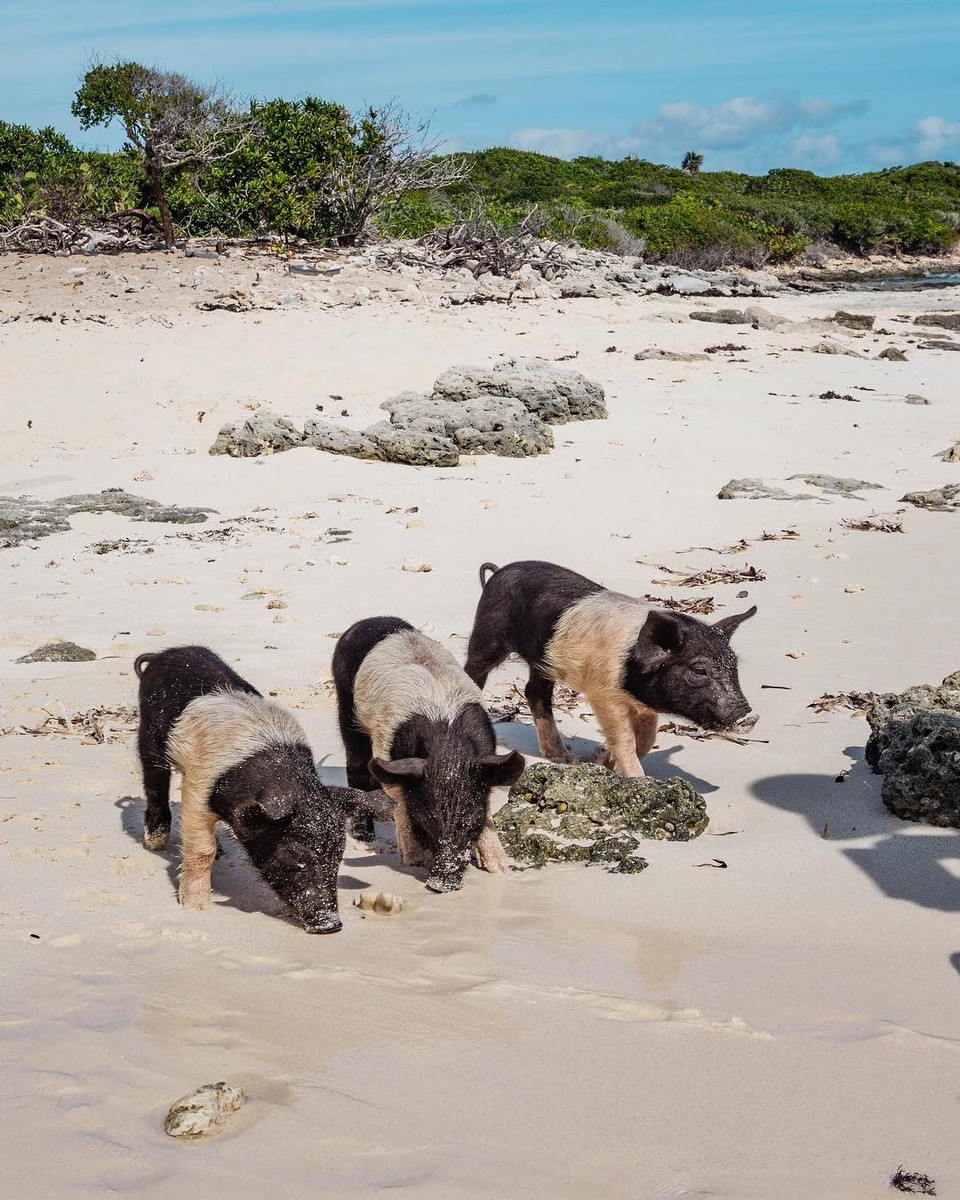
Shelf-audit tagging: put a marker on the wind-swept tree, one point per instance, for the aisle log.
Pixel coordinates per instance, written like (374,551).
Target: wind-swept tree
(169,120)
(391,154)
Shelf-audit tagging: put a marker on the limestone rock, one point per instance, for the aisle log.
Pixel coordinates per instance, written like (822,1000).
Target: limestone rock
(951,454)
(585,813)
(948,320)
(415,447)
(943,499)
(939,344)
(263,432)
(654,353)
(913,398)
(385,903)
(892,354)
(838,486)
(851,320)
(915,745)
(23,519)
(197,1114)
(687,285)
(755,489)
(722,316)
(337,439)
(555,394)
(59,652)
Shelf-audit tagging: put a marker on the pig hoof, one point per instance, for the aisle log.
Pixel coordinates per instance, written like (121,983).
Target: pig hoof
(194,899)
(156,839)
(444,883)
(328,923)
(495,864)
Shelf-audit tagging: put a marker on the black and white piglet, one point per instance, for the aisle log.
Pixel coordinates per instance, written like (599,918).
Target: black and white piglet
(412,720)
(630,660)
(246,761)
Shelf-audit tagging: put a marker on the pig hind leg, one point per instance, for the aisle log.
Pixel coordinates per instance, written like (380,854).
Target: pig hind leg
(539,694)
(156,817)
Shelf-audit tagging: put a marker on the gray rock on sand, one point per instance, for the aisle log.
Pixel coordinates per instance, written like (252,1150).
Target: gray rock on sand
(485,424)
(950,320)
(915,745)
(913,398)
(202,1110)
(942,499)
(263,432)
(851,320)
(756,489)
(585,813)
(23,519)
(722,316)
(951,454)
(838,486)
(58,652)
(337,439)
(555,394)
(939,344)
(506,409)
(654,353)
(892,354)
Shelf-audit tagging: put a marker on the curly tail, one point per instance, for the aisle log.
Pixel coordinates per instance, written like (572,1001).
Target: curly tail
(141,661)
(484,577)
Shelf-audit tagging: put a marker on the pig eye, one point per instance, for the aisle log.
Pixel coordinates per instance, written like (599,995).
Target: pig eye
(701,670)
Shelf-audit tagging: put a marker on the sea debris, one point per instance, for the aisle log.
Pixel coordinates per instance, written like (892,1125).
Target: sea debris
(202,1110)
(701,605)
(914,1182)
(872,524)
(856,702)
(708,735)
(682,577)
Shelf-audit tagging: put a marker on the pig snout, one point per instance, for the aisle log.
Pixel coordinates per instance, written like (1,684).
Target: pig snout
(446,874)
(327,922)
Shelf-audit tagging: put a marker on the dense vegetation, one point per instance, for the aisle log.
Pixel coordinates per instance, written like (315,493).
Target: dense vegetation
(298,170)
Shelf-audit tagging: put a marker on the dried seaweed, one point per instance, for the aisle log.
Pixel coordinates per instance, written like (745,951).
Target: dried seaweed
(913,1182)
(872,524)
(95,726)
(707,735)
(701,605)
(856,702)
(707,577)
(514,704)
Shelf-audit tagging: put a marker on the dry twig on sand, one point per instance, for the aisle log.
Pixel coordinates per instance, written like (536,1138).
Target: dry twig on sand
(872,524)
(93,727)
(514,704)
(701,605)
(705,578)
(708,735)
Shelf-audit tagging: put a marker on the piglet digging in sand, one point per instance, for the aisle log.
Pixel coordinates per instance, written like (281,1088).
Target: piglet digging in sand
(413,720)
(244,760)
(631,661)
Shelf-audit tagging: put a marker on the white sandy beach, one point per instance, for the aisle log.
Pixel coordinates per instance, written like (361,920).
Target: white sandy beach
(786,1027)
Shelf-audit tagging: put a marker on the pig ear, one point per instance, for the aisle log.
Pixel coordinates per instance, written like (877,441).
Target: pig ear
(353,801)
(500,770)
(397,770)
(728,625)
(661,632)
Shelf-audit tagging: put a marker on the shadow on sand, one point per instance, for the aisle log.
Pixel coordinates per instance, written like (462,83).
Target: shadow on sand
(906,862)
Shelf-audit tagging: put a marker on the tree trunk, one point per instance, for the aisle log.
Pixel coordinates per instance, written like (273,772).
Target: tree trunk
(166,220)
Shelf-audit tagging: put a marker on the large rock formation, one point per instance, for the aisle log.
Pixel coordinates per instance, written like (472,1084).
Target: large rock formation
(585,813)
(506,409)
(915,745)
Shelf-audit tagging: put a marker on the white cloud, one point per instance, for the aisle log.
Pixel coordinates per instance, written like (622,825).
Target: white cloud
(935,136)
(738,121)
(562,143)
(809,150)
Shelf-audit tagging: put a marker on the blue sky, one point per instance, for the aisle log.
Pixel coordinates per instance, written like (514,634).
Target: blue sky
(832,85)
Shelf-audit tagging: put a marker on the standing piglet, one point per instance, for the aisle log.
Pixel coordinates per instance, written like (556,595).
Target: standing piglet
(246,761)
(411,719)
(631,661)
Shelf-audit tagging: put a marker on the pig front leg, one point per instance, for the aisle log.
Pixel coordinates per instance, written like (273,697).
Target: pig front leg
(539,694)
(489,850)
(412,852)
(156,817)
(645,721)
(616,721)
(198,842)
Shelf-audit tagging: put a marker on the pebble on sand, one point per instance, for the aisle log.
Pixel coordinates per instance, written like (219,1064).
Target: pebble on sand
(198,1113)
